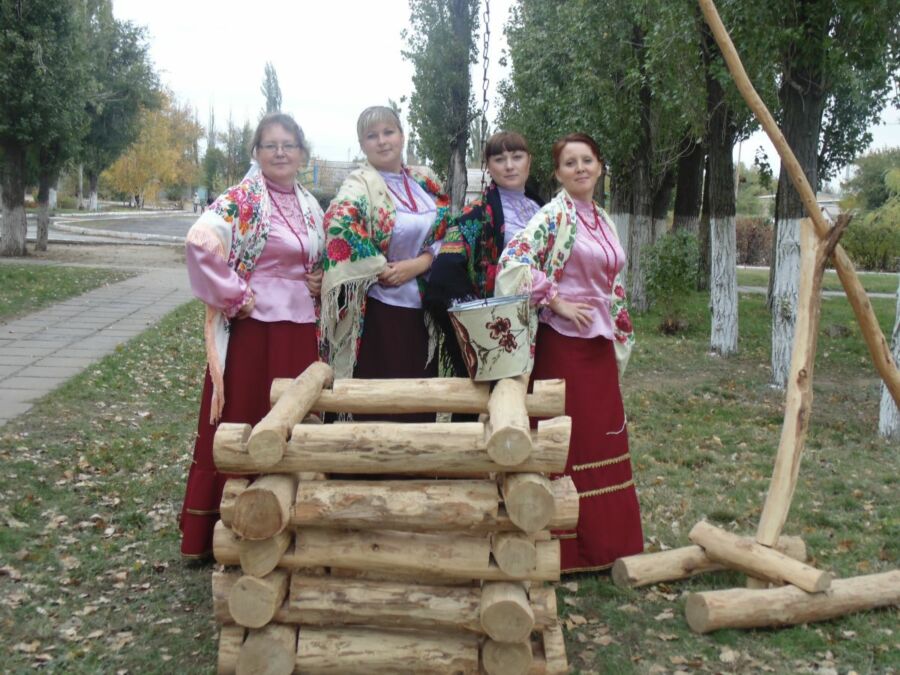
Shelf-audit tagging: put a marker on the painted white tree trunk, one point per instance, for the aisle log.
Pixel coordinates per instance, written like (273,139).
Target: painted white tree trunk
(723,299)
(784,298)
(621,220)
(889,419)
(93,204)
(639,237)
(53,199)
(13,229)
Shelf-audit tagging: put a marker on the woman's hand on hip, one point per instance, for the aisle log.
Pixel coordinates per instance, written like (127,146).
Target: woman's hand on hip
(314,282)
(578,313)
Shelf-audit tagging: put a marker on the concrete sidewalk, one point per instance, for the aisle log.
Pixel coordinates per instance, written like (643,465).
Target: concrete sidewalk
(42,350)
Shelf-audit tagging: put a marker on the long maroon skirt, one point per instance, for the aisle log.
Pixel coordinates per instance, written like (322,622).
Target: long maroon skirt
(258,352)
(394,344)
(609,520)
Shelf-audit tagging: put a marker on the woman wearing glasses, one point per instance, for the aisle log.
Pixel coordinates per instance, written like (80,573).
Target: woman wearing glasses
(254,259)
(380,239)
(569,259)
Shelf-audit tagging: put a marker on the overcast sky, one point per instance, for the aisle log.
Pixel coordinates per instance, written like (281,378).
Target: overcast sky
(333,58)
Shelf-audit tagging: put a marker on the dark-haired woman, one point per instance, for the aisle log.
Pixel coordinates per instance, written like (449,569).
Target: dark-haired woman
(569,259)
(252,258)
(466,267)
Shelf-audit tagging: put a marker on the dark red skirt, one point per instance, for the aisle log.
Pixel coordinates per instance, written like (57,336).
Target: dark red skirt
(258,352)
(394,344)
(609,520)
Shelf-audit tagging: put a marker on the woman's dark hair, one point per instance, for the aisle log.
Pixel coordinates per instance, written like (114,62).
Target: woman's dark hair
(287,123)
(557,149)
(505,141)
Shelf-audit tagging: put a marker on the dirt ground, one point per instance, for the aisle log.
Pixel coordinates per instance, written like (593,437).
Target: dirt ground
(125,256)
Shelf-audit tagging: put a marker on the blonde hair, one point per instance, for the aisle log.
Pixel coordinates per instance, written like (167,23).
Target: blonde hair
(373,115)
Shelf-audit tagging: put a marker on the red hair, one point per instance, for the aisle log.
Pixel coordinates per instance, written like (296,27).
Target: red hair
(557,149)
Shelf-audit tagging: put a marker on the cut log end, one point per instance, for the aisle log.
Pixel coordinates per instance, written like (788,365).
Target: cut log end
(529,501)
(506,658)
(267,446)
(269,651)
(510,446)
(506,614)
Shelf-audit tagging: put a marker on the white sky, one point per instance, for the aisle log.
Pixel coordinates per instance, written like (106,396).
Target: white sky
(333,58)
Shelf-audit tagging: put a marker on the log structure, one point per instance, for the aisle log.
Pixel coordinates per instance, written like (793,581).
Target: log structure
(394,548)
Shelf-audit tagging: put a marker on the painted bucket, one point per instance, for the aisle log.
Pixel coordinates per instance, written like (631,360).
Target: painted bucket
(494,336)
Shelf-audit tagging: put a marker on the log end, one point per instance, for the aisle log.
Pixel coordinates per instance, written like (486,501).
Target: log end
(510,446)
(267,445)
(503,658)
(620,574)
(697,612)
(268,653)
(252,602)
(258,515)
(823,582)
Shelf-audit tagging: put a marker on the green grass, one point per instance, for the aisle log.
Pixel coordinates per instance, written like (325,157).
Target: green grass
(92,479)
(28,288)
(873,282)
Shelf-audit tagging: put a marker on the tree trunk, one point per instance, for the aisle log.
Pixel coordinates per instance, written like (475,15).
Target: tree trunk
(457,178)
(770,286)
(661,199)
(13,226)
(689,187)
(641,233)
(704,235)
(80,196)
(620,210)
(458,102)
(889,418)
(45,182)
(93,180)
(802,108)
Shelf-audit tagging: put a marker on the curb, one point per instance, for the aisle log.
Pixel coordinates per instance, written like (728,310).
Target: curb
(112,234)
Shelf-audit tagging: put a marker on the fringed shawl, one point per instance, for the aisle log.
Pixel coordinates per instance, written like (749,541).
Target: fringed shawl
(358,226)
(236,227)
(546,244)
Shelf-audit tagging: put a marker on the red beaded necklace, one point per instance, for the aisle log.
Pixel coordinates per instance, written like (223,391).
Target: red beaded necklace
(412,206)
(303,223)
(605,244)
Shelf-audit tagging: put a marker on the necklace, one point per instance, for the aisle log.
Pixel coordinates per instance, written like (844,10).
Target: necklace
(597,233)
(303,223)
(411,205)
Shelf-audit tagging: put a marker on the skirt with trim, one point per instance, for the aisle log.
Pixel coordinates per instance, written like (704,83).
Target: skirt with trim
(394,344)
(258,352)
(609,521)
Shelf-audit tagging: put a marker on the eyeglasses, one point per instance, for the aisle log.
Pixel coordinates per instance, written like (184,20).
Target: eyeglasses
(274,147)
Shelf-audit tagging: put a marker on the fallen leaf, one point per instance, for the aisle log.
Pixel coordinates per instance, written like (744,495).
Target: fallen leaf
(27,647)
(728,655)
(665,615)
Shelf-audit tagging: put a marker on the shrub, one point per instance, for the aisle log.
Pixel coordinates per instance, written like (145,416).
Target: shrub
(754,240)
(873,241)
(323,197)
(672,265)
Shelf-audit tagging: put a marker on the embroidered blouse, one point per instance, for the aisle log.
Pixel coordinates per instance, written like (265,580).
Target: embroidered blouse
(278,281)
(410,230)
(517,211)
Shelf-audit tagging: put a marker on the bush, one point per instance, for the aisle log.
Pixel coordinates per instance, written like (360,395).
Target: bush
(873,241)
(323,197)
(672,265)
(754,240)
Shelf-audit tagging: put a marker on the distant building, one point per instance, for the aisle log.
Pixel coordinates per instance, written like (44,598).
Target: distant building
(829,203)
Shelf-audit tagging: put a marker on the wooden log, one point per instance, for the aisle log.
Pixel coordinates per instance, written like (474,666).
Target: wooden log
(253,601)
(506,613)
(506,658)
(263,509)
(555,651)
(352,651)
(681,563)
(439,394)
(256,558)
(856,294)
(410,578)
(788,605)
(230,443)
(231,638)
(384,447)
(757,560)
(509,435)
(402,505)
(233,488)
(528,498)
(269,437)
(222,583)
(514,552)
(268,651)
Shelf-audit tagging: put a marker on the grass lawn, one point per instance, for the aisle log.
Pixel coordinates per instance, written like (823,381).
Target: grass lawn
(91,580)
(873,282)
(28,288)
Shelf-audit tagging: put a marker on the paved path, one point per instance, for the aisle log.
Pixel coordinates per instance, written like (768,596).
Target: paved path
(44,349)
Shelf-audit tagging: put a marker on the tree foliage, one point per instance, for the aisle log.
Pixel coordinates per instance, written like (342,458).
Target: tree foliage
(869,187)
(270,90)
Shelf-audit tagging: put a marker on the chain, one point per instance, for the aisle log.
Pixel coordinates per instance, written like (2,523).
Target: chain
(485,84)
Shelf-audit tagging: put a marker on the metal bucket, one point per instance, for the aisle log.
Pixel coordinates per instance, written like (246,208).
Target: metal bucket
(494,336)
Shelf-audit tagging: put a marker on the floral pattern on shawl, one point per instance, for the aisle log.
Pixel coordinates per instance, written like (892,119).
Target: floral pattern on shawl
(546,244)
(358,227)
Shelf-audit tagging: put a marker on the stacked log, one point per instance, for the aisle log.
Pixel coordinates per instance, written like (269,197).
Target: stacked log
(389,548)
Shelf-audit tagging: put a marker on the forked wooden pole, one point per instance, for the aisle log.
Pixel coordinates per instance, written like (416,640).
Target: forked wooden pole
(856,294)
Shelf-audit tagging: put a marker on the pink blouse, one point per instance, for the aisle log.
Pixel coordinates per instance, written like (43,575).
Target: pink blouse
(279,278)
(596,259)
(407,237)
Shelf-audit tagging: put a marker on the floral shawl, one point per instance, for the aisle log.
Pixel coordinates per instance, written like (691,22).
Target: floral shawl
(546,244)
(358,226)
(236,227)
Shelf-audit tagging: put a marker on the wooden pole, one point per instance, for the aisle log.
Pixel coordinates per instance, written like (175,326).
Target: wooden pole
(514,552)
(269,437)
(253,601)
(788,605)
(856,294)
(233,487)
(506,658)
(528,498)
(263,509)
(268,651)
(439,394)
(681,563)
(509,436)
(757,560)
(230,640)
(506,614)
